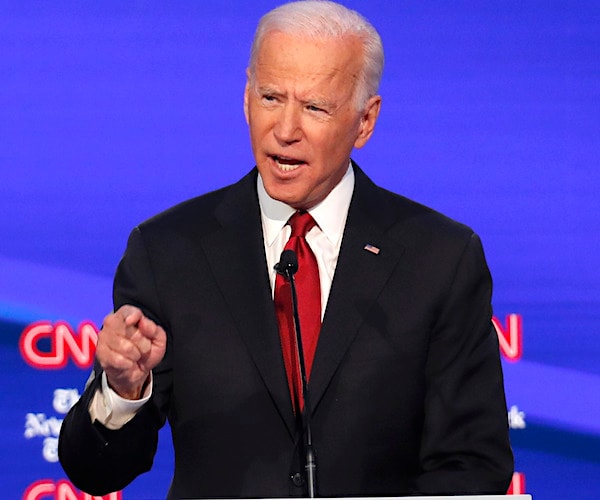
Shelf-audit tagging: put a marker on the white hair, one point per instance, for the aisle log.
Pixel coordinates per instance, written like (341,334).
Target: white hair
(322,19)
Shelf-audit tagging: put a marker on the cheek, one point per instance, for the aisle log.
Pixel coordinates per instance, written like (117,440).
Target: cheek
(255,129)
(330,148)
(259,125)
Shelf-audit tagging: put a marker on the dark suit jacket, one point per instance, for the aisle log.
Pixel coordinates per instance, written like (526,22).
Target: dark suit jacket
(407,389)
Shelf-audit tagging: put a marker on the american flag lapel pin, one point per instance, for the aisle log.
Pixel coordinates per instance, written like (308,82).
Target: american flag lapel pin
(371,248)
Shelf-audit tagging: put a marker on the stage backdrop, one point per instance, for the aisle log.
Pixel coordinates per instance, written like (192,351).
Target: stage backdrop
(112,111)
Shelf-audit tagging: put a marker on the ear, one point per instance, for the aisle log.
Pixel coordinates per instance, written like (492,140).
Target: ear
(246,97)
(367,121)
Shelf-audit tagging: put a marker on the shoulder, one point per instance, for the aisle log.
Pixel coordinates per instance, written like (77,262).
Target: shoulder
(434,246)
(405,219)
(203,213)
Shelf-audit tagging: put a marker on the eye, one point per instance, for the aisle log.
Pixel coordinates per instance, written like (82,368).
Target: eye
(269,98)
(316,109)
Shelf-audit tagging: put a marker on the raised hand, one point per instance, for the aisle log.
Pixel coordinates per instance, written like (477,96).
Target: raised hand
(129,346)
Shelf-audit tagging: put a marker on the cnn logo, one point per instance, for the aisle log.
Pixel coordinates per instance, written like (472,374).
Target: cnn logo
(510,336)
(45,345)
(47,489)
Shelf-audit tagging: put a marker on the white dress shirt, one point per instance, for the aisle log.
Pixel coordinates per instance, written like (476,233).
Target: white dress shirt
(324,239)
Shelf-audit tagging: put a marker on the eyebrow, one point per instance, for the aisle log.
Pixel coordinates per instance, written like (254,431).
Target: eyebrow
(266,90)
(318,102)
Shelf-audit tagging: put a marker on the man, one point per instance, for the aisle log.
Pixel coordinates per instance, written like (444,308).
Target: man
(406,385)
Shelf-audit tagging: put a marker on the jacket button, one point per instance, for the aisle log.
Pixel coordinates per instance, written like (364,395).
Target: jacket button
(297,479)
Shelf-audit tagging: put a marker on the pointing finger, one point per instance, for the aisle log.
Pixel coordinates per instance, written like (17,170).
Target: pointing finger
(148,328)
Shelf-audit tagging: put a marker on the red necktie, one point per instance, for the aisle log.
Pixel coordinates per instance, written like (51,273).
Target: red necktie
(308,289)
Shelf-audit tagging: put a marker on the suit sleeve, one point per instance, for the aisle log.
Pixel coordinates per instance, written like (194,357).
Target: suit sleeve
(98,460)
(465,446)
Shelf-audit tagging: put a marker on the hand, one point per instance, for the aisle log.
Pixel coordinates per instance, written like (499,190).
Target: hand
(129,346)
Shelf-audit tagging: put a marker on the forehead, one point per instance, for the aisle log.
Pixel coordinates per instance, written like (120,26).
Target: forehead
(298,57)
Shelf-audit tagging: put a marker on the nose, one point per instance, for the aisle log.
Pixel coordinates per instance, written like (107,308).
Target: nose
(288,127)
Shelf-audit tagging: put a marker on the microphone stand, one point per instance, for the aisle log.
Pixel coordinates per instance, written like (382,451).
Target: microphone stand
(311,465)
(289,263)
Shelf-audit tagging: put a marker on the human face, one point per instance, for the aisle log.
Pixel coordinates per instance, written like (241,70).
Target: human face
(303,117)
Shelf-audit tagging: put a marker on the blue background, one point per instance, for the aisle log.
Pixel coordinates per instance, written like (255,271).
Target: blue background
(112,111)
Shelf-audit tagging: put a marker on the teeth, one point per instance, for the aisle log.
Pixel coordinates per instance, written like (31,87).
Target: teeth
(287,167)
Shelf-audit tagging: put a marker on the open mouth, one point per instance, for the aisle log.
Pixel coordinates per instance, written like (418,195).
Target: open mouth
(286,164)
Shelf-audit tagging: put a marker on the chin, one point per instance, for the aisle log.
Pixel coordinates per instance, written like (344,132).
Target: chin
(288,199)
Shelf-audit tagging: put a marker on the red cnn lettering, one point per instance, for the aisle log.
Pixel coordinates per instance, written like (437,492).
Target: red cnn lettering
(62,490)
(517,485)
(40,489)
(510,337)
(64,345)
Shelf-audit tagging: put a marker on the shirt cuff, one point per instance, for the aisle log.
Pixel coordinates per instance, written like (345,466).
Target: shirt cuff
(113,411)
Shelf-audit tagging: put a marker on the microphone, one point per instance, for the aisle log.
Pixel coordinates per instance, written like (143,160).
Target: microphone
(288,266)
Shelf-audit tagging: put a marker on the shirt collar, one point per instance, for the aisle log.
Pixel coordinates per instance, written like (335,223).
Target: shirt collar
(330,214)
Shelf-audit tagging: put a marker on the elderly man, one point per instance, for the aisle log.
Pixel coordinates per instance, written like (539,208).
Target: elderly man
(401,359)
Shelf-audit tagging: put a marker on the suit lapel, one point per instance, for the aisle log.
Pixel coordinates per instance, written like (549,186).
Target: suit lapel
(236,254)
(359,277)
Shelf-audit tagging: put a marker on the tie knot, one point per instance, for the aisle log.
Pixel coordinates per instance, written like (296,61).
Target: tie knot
(301,223)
